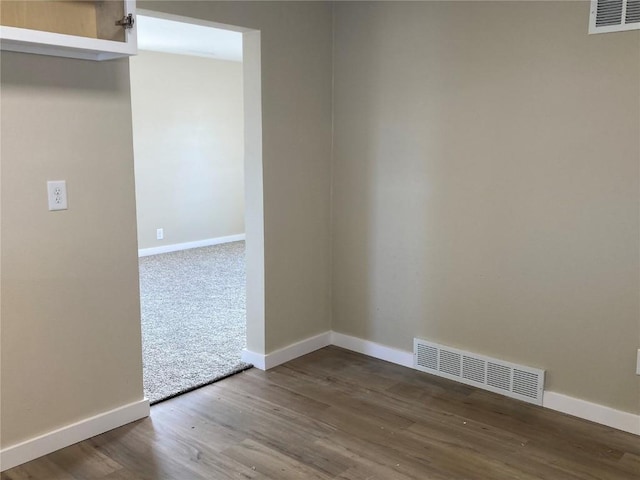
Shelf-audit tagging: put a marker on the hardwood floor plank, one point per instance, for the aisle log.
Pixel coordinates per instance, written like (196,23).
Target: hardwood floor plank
(42,468)
(631,462)
(146,454)
(179,450)
(84,462)
(286,431)
(272,463)
(335,414)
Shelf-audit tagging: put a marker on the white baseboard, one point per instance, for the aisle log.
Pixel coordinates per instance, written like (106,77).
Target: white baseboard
(372,349)
(295,350)
(255,359)
(89,427)
(207,242)
(63,437)
(625,421)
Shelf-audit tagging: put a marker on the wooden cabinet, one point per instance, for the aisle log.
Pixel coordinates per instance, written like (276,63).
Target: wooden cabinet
(89,29)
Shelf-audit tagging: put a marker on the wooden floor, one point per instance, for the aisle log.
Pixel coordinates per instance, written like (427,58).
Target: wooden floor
(337,414)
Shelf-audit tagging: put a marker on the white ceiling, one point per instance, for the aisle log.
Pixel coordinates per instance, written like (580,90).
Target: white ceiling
(168,36)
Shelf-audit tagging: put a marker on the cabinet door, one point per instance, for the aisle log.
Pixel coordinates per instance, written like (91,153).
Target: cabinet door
(75,28)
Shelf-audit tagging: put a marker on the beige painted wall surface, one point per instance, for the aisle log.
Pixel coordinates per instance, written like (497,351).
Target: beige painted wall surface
(485,186)
(70,320)
(296,41)
(70,307)
(188,147)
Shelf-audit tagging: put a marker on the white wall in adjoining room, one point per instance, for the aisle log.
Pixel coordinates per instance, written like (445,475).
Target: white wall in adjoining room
(188,147)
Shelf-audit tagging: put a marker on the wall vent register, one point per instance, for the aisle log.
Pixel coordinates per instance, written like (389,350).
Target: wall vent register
(614,16)
(516,381)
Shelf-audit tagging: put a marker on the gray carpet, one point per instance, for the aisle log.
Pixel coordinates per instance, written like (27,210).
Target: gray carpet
(193,318)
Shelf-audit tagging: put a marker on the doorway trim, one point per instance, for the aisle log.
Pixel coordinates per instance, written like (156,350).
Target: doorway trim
(253,178)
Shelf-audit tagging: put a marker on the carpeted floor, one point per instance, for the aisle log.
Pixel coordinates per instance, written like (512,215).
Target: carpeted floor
(193,318)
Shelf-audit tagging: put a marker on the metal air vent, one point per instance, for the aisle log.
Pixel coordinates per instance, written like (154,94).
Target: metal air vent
(516,381)
(614,16)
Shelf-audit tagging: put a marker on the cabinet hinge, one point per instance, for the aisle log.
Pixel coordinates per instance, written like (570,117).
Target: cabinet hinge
(126,22)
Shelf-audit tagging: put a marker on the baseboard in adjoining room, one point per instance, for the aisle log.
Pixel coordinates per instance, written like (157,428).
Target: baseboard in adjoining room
(176,247)
(49,442)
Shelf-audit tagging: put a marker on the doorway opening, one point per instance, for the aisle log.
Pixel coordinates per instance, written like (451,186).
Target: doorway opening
(188,96)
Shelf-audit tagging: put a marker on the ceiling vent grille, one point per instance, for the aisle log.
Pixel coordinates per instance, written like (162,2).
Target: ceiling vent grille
(614,16)
(516,381)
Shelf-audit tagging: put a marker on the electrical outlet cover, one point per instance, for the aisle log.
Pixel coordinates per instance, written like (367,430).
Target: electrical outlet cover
(57,194)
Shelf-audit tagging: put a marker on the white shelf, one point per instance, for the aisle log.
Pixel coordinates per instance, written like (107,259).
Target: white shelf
(72,46)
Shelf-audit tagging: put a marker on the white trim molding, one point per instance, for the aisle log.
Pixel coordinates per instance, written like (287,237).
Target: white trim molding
(625,421)
(372,349)
(33,448)
(255,359)
(176,247)
(295,350)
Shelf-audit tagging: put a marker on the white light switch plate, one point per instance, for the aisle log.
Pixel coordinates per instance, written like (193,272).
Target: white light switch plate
(57,193)
(638,363)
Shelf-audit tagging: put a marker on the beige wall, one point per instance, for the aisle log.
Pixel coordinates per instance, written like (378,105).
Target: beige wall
(70,313)
(481,198)
(188,147)
(485,186)
(70,307)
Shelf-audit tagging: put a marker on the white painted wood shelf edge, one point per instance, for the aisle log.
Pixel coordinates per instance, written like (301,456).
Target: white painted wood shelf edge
(71,46)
